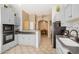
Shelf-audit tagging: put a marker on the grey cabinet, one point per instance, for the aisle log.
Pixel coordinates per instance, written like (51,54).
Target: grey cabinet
(60,48)
(75,10)
(20,39)
(16,38)
(11,16)
(7,16)
(68,12)
(4,16)
(27,39)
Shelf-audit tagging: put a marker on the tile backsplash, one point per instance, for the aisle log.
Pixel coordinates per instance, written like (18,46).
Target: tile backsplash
(72,26)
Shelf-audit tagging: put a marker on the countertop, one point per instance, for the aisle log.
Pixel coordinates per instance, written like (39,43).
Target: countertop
(25,32)
(74,50)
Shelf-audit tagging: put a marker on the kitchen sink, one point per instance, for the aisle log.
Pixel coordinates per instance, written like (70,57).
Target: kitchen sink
(69,42)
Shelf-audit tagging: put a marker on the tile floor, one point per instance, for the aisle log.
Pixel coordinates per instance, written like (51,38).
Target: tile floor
(45,48)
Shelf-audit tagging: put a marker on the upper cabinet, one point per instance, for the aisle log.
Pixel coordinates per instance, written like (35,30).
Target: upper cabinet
(75,10)
(69,13)
(7,15)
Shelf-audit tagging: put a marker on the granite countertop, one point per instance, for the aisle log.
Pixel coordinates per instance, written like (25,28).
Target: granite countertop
(25,32)
(74,50)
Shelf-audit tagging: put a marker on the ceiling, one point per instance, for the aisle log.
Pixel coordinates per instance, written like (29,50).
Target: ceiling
(38,9)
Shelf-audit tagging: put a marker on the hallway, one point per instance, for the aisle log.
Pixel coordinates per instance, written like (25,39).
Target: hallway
(46,44)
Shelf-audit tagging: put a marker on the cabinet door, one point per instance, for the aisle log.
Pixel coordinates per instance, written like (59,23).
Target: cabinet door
(11,16)
(75,10)
(16,38)
(20,39)
(5,15)
(26,39)
(32,39)
(29,39)
(68,12)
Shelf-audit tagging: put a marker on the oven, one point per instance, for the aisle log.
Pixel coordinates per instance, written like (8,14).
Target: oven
(8,33)
(8,37)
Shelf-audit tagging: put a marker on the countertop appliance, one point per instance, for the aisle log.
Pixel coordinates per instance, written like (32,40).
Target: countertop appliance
(8,33)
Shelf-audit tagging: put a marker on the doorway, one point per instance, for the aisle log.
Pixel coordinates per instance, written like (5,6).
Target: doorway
(43,27)
(45,42)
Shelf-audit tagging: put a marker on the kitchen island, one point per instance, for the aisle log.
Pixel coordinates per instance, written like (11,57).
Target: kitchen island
(31,38)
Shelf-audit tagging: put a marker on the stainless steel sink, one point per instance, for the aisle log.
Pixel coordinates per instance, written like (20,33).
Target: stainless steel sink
(69,42)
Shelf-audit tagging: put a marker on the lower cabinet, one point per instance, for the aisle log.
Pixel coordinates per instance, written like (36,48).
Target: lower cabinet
(9,45)
(20,40)
(16,37)
(60,49)
(27,39)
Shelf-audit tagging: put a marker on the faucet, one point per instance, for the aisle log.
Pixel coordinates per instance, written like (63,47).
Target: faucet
(75,32)
(75,38)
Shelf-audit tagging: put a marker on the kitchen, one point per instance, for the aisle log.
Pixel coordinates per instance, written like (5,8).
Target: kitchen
(39,29)
(20,31)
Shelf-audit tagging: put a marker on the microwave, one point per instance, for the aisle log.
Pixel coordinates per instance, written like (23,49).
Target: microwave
(8,27)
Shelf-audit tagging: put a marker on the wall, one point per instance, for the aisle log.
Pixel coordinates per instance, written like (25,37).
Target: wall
(32,21)
(71,26)
(25,21)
